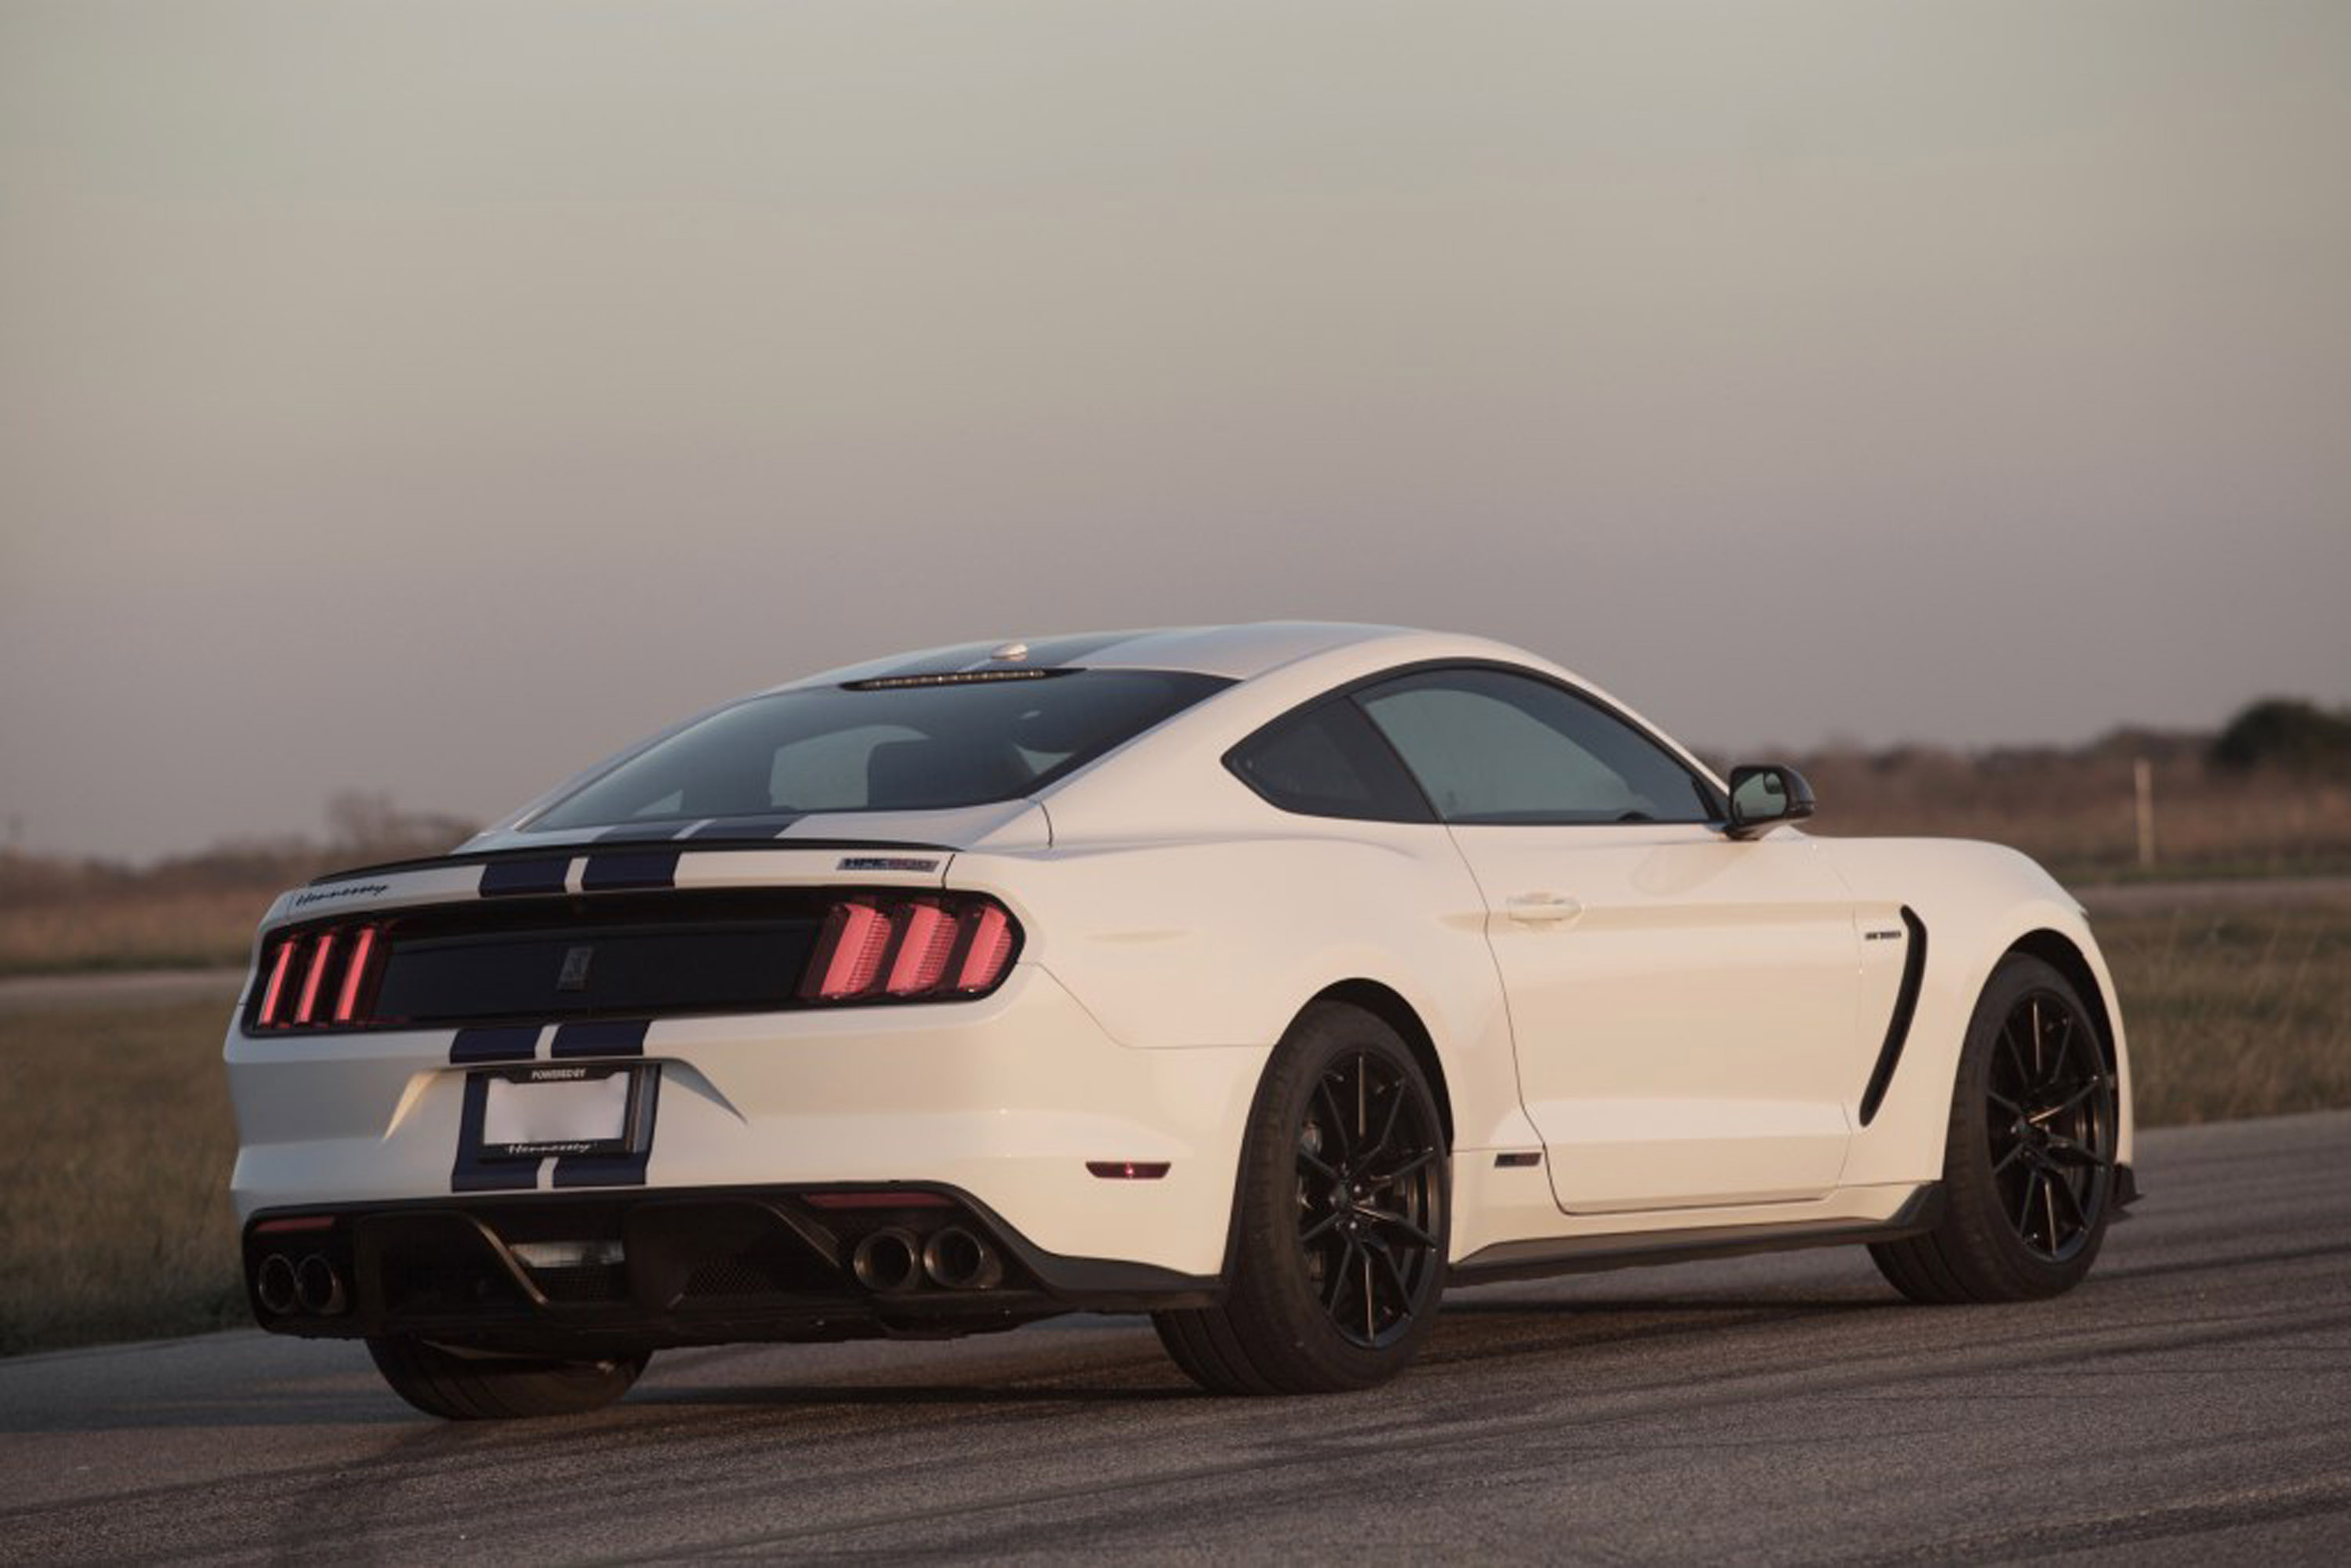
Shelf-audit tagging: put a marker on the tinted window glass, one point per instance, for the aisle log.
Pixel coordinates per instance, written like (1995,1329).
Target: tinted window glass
(882,748)
(1328,762)
(1489,747)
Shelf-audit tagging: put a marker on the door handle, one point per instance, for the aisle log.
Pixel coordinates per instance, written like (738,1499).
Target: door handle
(1544,908)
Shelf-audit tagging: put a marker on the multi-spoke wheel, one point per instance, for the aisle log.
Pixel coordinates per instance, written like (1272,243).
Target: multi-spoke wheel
(2051,1125)
(2029,1169)
(1340,1253)
(1367,1154)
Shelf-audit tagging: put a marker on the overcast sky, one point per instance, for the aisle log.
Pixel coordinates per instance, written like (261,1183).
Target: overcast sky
(433,397)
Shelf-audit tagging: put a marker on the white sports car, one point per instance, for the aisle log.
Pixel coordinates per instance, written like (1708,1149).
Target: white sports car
(1264,979)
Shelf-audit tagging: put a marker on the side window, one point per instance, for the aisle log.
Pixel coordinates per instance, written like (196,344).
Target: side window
(1490,747)
(1327,762)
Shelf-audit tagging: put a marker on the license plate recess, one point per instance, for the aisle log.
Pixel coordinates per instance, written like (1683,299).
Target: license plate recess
(530,1111)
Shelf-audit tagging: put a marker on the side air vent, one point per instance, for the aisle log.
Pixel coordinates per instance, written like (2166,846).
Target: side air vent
(1897,1026)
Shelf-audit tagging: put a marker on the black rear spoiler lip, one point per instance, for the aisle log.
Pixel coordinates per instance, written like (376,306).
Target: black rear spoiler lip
(623,846)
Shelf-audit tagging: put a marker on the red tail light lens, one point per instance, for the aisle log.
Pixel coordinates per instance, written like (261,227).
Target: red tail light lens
(354,971)
(917,947)
(276,990)
(321,979)
(320,953)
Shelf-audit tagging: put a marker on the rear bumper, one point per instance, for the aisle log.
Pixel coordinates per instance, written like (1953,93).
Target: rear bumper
(1008,1101)
(586,1273)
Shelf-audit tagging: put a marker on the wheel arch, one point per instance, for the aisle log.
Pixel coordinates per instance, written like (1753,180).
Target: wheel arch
(1390,1008)
(2059,951)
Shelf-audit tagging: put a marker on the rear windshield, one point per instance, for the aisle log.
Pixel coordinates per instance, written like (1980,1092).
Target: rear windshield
(881,747)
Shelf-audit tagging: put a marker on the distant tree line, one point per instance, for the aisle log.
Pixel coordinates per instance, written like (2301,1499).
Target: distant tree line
(363,828)
(2285,733)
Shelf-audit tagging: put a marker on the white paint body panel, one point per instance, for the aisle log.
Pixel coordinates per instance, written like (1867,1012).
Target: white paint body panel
(1689,1050)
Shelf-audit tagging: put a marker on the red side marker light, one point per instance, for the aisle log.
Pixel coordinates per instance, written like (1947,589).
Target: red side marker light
(1128,1170)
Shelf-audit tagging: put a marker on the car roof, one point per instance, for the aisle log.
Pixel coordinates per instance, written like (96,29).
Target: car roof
(1237,653)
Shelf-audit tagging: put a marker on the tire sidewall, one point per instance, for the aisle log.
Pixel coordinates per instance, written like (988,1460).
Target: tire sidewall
(1969,1184)
(1269,1266)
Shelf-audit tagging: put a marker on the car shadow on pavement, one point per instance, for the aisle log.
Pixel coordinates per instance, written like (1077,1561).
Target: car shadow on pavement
(796,1396)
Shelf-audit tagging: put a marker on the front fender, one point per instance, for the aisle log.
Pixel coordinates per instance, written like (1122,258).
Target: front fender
(1977,903)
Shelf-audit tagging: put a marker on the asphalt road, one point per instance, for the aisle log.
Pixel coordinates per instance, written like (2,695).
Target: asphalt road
(2193,1399)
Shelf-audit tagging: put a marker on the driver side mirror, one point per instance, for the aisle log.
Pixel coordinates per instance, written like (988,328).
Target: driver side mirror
(1762,797)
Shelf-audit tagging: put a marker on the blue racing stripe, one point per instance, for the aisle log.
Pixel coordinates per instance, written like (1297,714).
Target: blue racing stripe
(601,1037)
(502,879)
(608,874)
(479,1045)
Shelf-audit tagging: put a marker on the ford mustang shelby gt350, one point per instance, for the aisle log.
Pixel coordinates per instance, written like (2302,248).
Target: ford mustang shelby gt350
(1263,978)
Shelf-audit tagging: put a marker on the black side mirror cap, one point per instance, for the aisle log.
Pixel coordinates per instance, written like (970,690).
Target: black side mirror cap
(1763,796)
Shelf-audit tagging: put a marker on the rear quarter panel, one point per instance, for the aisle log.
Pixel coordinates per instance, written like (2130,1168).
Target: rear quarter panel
(1214,941)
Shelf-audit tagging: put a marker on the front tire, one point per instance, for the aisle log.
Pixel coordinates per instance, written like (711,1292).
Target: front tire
(2029,1162)
(476,1386)
(1339,1256)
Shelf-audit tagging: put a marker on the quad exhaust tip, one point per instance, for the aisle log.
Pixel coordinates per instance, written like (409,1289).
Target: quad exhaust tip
(319,1287)
(956,1259)
(887,1262)
(274,1286)
(892,1261)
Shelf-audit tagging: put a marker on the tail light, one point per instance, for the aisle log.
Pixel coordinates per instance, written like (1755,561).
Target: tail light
(876,948)
(320,979)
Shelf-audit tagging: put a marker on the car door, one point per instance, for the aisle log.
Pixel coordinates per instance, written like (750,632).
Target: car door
(1682,1004)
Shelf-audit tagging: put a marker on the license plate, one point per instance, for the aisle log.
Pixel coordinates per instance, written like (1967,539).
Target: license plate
(532,1112)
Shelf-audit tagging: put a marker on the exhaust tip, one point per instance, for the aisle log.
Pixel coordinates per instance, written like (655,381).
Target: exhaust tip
(274,1286)
(956,1259)
(887,1262)
(318,1288)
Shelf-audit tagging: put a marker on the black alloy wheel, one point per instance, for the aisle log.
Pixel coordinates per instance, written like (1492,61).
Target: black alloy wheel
(2050,1126)
(2028,1152)
(1367,1149)
(1338,1251)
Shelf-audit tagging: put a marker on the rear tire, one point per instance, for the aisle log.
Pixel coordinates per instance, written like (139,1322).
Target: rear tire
(2028,1157)
(459,1385)
(1340,1255)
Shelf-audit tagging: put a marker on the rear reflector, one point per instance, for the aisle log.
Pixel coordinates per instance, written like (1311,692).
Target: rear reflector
(1127,1170)
(304,1222)
(882,1200)
(928,946)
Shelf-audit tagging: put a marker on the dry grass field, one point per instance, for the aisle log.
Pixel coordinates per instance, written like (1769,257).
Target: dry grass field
(2076,812)
(115,1146)
(2240,1011)
(190,927)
